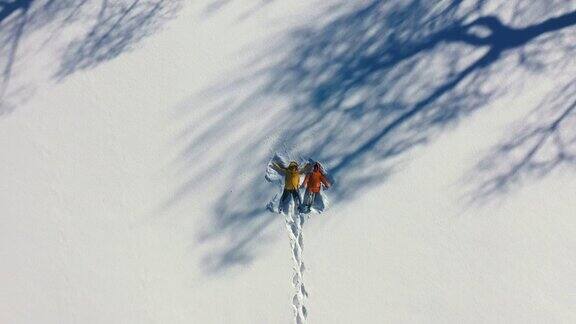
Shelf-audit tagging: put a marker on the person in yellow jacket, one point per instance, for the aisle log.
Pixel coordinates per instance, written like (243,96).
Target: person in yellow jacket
(291,183)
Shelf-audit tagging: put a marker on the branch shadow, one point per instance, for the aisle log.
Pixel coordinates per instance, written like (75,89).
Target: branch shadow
(216,6)
(364,87)
(544,142)
(101,30)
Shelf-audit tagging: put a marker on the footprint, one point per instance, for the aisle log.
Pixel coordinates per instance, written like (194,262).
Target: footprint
(303,291)
(295,302)
(295,279)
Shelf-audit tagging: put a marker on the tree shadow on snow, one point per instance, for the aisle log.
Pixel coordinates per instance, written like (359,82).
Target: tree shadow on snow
(544,141)
(101,30)
(365,86)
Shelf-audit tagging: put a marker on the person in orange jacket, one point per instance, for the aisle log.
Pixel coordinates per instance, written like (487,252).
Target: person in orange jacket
(313,183)
(291,184)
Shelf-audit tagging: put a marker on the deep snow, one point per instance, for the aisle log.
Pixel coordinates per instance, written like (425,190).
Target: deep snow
(135,145)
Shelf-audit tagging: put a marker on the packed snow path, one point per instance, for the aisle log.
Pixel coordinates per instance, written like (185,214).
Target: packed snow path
(294,222)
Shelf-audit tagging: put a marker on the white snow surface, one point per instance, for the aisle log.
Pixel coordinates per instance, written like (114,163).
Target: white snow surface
(133,186)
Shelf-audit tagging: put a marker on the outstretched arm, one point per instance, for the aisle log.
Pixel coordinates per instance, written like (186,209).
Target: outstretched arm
(325,181)
(307,168)
(277,167)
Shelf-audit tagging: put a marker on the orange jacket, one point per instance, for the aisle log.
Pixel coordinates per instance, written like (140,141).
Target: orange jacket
(314,180)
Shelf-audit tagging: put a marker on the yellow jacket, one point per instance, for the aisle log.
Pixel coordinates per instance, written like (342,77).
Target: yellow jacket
(291,177)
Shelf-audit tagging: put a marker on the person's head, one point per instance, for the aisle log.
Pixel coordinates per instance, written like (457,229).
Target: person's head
(316,167)
(293,166)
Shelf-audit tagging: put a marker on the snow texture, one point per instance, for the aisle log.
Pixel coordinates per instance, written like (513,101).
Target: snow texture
(134,135)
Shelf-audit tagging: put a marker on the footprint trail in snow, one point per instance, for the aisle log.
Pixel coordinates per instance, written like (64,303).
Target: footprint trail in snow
(294,222)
